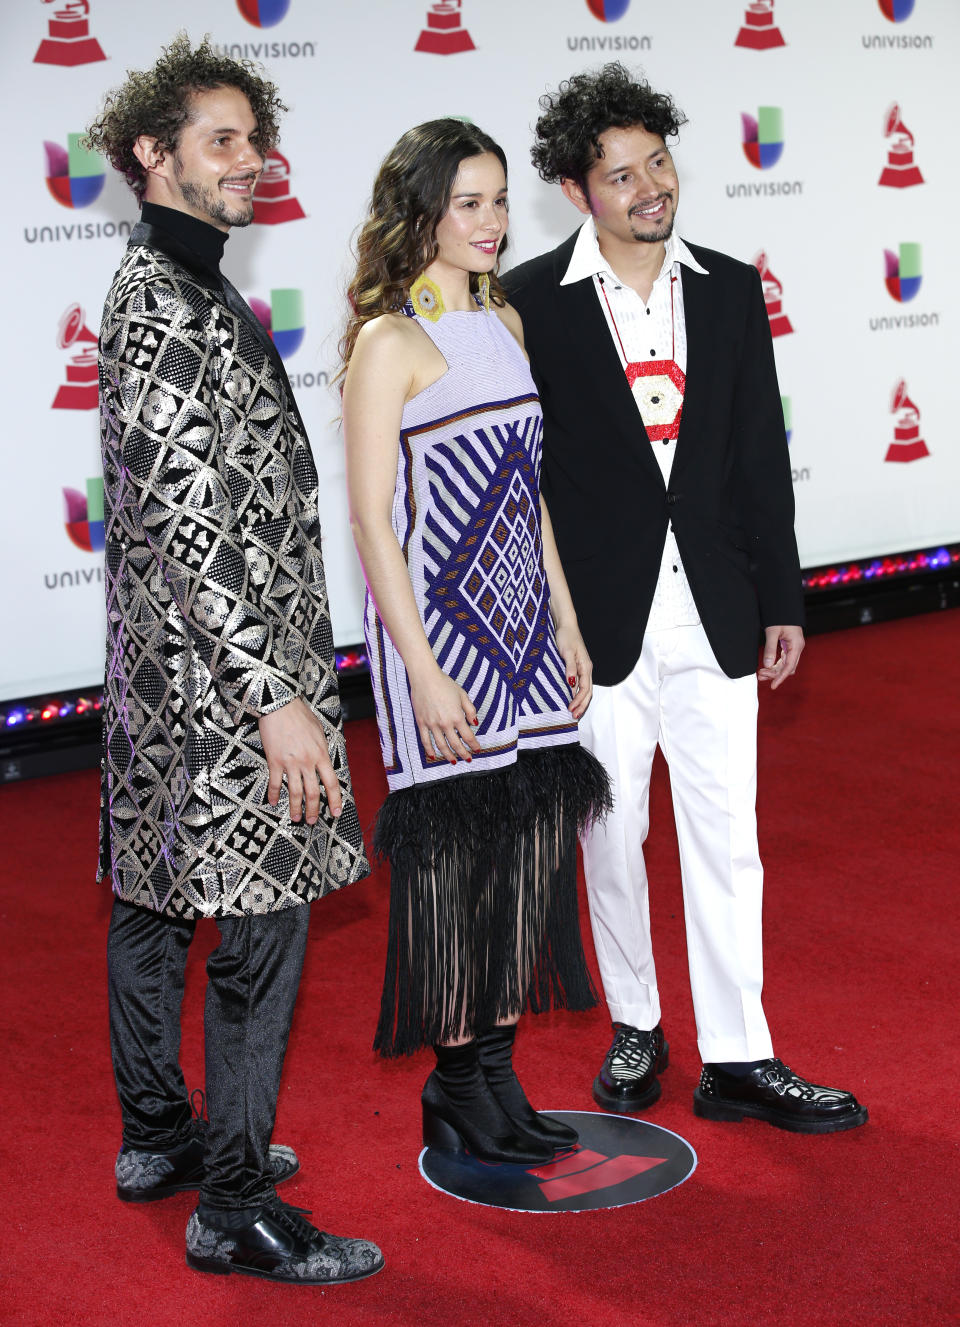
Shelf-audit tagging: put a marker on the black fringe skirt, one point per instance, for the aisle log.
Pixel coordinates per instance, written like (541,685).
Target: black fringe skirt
(483,897)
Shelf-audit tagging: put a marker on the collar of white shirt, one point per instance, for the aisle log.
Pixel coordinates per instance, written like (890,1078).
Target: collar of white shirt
(587,260)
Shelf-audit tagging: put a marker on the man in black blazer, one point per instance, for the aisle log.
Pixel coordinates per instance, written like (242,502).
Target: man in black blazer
(667,479)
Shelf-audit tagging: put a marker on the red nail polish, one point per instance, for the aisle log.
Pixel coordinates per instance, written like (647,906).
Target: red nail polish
(474,722)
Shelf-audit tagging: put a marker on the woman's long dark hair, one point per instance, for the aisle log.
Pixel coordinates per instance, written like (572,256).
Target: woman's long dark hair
(398,240)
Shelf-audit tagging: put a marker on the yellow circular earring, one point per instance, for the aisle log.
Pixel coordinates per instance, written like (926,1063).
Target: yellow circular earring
(427,299)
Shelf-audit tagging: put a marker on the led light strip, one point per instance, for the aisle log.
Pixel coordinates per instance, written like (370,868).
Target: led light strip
(72,706)
(883,568)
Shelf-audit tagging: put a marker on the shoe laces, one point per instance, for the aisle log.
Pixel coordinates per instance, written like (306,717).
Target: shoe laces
(782,1078)
(631,1048)
(199,1121)
(291,1218)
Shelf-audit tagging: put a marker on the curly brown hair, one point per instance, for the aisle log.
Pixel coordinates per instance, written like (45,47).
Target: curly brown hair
(586,106)
(156,102)
(398,240)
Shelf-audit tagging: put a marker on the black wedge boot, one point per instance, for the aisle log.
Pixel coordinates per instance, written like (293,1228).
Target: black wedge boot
(496,1061)
(460,1112)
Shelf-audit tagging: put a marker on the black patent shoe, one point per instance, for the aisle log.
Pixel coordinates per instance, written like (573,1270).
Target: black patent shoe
(478,1126)
(145,1177)
(495,1049)
(774,1093)
(280,1246)
(628,1080)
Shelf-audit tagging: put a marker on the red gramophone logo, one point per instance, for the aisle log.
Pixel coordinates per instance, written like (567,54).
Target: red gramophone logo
(79,392)
(900,171)
(780,324)
(907,443)
(443,34)
(272,200)
(68,41)
(759,31)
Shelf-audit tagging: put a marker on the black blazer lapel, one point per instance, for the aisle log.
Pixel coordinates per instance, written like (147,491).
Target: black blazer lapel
(583,322)
(695,420)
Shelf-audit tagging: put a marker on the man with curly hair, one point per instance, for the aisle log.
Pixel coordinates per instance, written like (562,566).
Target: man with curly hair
(225,791)
(667,477)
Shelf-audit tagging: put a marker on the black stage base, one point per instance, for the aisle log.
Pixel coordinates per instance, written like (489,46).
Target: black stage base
(837,607)
(618,1161)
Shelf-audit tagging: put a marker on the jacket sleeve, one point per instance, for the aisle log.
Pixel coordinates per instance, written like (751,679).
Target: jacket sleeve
(159,401)
(765,482)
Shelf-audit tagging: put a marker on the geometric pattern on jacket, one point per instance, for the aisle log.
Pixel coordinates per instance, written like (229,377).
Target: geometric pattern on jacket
(216,607)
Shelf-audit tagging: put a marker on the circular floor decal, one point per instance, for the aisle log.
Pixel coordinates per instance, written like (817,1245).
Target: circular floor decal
(618,1161)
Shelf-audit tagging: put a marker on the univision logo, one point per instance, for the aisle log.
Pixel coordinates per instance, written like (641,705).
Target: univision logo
(283,318)
(903,272)
(896,10)
(763,136)
(75,176)
(263,13)
(608,11)
(83,516)
(787,417)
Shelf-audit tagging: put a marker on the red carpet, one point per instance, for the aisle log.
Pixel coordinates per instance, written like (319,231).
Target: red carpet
(860,835)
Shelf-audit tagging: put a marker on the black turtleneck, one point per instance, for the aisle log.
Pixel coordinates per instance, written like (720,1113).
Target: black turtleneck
(202,239)
(198,246)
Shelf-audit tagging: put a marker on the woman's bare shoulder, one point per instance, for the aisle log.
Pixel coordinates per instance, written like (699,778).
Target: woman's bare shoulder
(510,319)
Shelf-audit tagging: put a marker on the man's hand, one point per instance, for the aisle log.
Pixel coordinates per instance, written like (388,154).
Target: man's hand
(776,670)
(295,745)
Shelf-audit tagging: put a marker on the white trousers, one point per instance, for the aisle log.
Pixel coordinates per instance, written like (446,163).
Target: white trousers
(706,725)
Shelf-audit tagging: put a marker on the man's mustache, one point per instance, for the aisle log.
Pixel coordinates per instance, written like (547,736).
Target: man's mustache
(639,206)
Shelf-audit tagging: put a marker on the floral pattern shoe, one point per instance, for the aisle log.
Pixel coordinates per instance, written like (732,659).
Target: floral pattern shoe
(145,1177)
(279,1245)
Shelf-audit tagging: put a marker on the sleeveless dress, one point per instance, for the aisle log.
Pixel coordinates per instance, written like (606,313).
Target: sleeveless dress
(483,855)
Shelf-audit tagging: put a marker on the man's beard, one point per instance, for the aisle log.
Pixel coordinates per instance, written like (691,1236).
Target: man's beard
(661,232)
(216,209)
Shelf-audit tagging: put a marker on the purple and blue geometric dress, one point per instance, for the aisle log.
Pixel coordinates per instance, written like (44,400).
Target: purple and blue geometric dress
(483,855)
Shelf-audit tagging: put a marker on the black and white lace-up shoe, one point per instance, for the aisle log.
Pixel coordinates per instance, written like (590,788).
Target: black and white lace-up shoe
(279,1245)
(774,1093)
(145,1177)
(628,1080)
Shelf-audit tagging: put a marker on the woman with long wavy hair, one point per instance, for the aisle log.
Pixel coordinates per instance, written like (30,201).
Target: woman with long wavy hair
(478,667)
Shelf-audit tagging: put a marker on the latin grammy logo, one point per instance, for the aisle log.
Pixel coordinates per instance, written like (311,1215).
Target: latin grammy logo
(68,41)
(900,171)
(79,392)
(780,324)
(759,31)
(907,443)
(443,34)
(272,201)
(618,1161)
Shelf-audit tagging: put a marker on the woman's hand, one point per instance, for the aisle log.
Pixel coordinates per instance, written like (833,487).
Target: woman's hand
(579,668)
(445,717)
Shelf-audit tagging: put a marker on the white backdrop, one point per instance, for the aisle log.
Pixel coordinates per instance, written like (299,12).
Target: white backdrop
(829,75)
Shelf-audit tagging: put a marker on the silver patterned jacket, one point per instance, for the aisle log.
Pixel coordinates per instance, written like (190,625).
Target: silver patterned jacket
(216,602)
